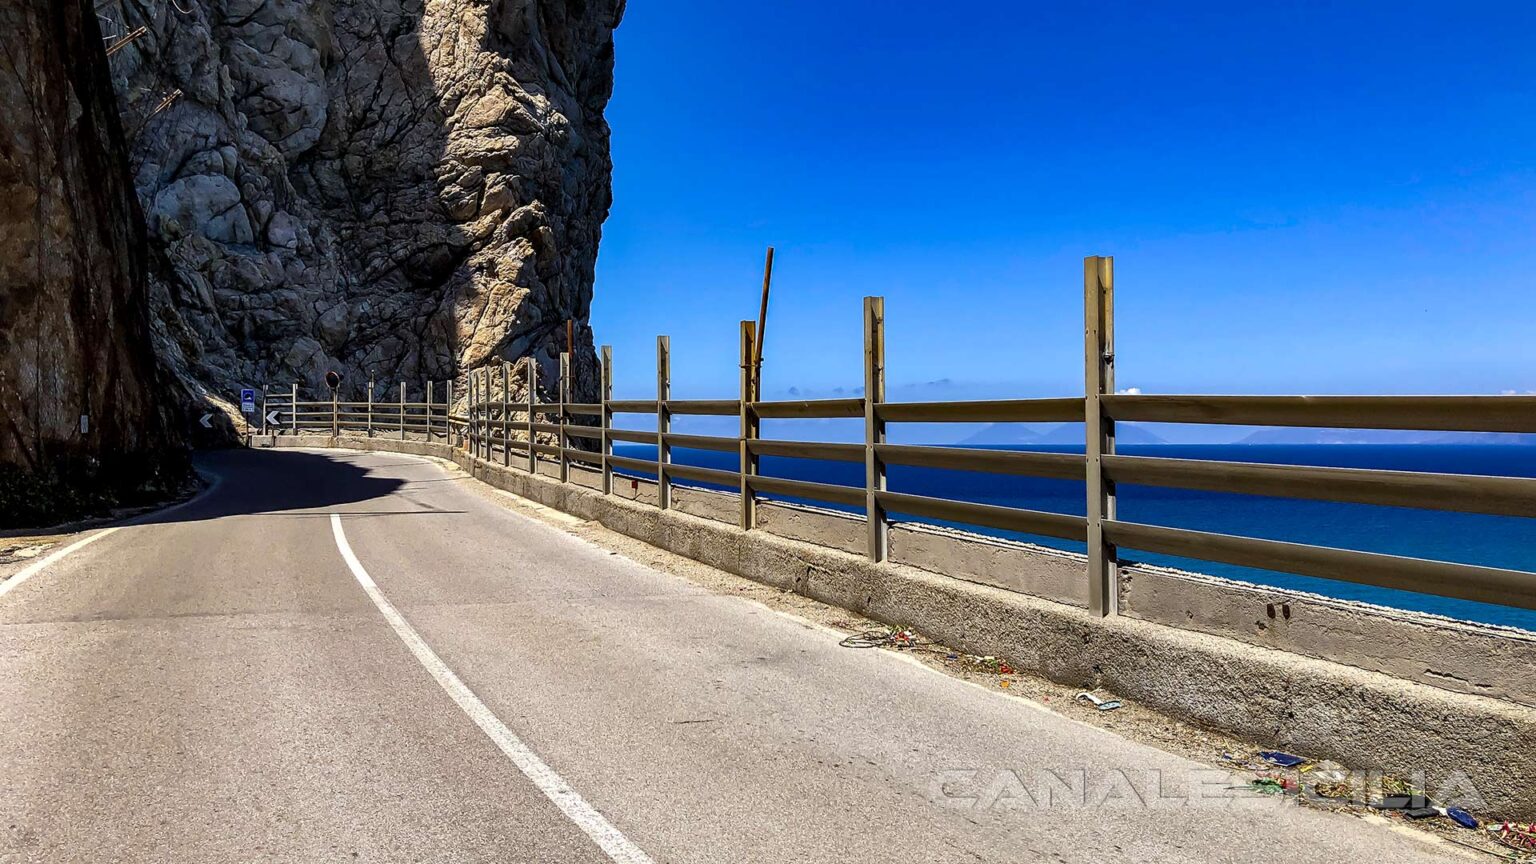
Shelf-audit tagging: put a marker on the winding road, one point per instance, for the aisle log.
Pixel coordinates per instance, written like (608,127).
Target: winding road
(345,656)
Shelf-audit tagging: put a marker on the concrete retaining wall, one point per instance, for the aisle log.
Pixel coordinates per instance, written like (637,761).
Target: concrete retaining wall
(1368,687)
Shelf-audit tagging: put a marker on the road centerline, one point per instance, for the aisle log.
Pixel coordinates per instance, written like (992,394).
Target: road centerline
(614,844)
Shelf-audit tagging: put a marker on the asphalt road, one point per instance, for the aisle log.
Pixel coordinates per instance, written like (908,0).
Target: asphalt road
(220,683)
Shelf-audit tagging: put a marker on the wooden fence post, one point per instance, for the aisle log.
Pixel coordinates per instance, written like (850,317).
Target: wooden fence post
(606,413)
(874,427)
(749,426)
(533,396)
(506,413)
(1099,298)
(565,398)
(485,398)
(402,410)
(663,420)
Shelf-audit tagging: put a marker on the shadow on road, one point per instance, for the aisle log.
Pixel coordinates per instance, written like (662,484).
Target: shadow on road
(286,482)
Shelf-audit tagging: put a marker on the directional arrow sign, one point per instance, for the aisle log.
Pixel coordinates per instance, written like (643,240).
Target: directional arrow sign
(272,418)
(204,420)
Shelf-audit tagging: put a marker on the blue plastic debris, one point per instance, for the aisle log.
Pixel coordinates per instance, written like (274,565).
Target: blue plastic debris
(1284,760)
(1458,815)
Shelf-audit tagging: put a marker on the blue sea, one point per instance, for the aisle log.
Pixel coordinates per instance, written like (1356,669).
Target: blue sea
(1496,541)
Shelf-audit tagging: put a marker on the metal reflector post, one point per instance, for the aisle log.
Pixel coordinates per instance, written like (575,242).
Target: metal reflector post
(448,411)
(1099,367)
(874,427)
(749,426)
(430,433)
(663,420)
(370,407)
(533,399)
(402,410)
(293,403)
(607,417)
(565,398)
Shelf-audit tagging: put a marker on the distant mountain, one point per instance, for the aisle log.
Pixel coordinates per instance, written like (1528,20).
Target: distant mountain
(1003,434)
(1125,433)
(1383,436)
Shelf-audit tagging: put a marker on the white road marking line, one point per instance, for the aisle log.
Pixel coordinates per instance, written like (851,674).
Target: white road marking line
(33,569)
(614,844)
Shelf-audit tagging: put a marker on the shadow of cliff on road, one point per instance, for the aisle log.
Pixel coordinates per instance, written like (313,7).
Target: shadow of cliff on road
(286,482)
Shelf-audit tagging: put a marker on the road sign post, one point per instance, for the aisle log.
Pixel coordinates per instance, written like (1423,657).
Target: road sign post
(333,381)
(247,406)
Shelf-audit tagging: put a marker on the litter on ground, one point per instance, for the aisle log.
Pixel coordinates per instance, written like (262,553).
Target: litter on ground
(1101,704)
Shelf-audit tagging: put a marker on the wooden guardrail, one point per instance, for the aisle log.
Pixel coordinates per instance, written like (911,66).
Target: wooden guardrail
(492,424)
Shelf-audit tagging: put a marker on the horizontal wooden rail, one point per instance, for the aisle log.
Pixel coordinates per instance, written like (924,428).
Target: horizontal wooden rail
(846,495)
(632,436)
(1437,413)
(704,475)
(1462,581)
(382,407)
(984,411)
(591,432)
(646,465)
(589,457)
(583,408)
(552,428)
(814,408)
(711,407)
(632,406)
(1466,493)
(702,442)
(1006,518)
(806,450)
(1061,466)
(546,449)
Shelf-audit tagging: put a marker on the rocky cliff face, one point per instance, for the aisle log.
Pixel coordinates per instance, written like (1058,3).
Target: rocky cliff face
(83,416)
(403,189)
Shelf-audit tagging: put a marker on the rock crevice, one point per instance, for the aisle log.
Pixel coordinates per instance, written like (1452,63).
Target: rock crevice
(87,420)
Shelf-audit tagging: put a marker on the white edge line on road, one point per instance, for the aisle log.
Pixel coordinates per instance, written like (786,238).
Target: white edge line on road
(613,843)
(31,570)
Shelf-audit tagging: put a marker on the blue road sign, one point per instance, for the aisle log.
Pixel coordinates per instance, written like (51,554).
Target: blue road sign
(247,401)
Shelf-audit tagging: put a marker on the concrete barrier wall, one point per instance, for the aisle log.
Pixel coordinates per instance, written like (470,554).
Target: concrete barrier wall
(1368,687)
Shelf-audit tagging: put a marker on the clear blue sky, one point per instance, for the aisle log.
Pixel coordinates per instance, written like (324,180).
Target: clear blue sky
(1301,197)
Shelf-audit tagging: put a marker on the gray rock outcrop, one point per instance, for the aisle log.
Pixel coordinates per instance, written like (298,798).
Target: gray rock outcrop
(402,189)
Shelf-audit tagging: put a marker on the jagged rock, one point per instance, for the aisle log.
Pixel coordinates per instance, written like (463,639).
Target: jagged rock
(397,189)
(86,420)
